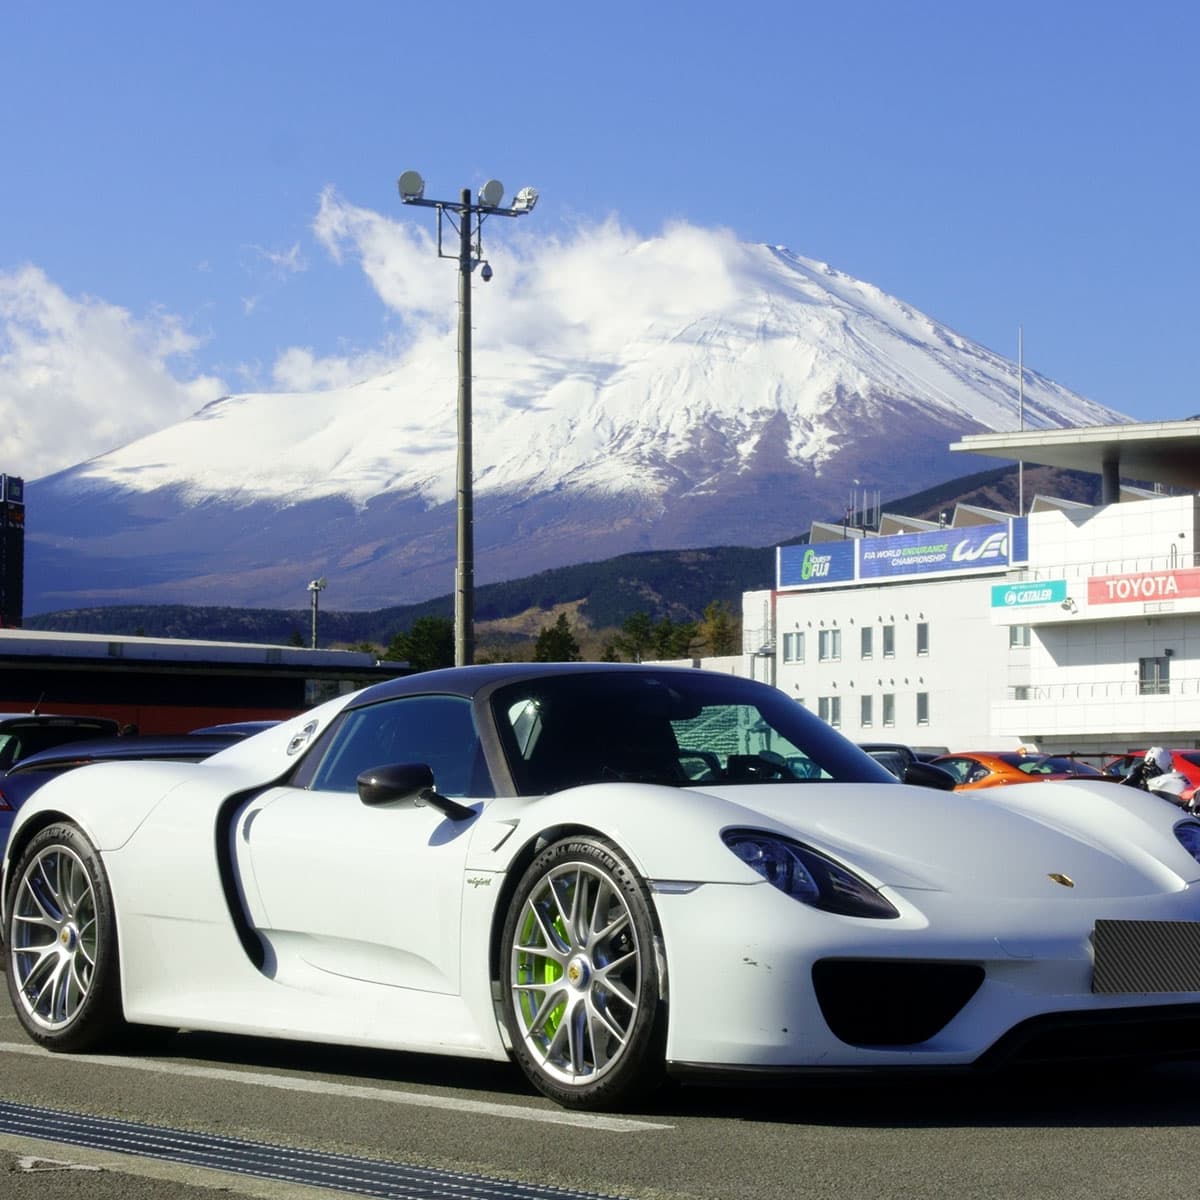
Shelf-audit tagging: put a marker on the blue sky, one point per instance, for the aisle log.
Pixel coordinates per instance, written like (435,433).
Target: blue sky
(174,173)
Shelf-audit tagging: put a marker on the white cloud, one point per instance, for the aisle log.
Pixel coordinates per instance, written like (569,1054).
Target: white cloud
(574,296)
(79,376)
(284,262)
(300,370)
(399,259)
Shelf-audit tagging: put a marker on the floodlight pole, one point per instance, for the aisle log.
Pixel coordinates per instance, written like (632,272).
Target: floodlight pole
(467,218)
(316,587)
(464,571)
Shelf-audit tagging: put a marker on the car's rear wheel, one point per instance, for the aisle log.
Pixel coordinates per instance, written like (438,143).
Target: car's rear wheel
(61,943)
(581,988)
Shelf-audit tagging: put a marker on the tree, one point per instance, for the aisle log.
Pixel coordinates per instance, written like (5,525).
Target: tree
(556,643)
(637,636)
(296,639)
(429,644)
(672,640)
(720,631)
(663,634)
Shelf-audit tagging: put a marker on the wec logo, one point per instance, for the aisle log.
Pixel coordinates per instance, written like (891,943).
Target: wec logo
(995,545)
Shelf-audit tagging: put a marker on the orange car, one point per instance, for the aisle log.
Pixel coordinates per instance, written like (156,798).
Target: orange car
(992,769)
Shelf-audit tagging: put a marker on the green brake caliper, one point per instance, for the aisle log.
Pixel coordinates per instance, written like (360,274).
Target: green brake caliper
(534,968)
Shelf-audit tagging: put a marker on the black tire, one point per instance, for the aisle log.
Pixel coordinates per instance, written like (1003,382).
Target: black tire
(61,944)
(580,979)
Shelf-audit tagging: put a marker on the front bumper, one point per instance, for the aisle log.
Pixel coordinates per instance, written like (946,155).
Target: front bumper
(945,985)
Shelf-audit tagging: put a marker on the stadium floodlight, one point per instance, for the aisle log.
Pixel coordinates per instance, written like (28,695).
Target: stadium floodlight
(524,200)
(491,194)
(466,219)
(412,187)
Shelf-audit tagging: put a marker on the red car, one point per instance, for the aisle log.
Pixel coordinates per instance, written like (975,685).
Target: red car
(1186,762)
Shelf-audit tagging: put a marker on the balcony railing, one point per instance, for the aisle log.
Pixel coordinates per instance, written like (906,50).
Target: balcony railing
(1175,561)
(1116,689)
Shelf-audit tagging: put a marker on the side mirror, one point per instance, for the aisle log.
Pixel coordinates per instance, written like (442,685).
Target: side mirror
(925,774)
(408,782)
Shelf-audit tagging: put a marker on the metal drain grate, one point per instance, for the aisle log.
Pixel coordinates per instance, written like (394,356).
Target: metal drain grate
(338,1172)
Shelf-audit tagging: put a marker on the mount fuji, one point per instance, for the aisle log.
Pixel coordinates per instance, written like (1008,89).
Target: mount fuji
(732,415)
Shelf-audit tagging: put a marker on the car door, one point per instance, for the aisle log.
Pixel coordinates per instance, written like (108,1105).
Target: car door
(367,892)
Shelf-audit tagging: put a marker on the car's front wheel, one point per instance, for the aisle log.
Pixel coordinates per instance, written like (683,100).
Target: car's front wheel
(581,987)
(61,943)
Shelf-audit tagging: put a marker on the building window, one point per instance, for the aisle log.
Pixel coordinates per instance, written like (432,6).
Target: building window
(868,641)
(889,641)
(1018,635)
(922,708)
(889,708)
(1154,676)
(793,647)
(829,645)
(866,711)
(829,709)
(922,637)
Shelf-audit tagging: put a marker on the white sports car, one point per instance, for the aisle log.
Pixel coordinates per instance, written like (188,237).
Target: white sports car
(607,873)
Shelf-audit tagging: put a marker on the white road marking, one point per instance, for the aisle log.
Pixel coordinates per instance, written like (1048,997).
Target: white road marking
(286,1083)
(31,1165)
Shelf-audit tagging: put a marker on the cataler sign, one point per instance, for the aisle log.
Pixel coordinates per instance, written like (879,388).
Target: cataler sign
(1020,595)
(1148,585)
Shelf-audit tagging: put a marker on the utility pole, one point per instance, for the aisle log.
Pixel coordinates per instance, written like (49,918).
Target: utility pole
(467,218)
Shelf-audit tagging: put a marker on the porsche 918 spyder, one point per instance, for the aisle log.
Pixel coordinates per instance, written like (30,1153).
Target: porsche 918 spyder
(608,873)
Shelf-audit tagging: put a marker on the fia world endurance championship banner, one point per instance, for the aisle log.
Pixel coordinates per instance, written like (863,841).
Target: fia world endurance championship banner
(945,551)
(939,551)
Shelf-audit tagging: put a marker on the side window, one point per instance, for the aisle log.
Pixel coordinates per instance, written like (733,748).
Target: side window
(10,746)
(437,730)
(960,768)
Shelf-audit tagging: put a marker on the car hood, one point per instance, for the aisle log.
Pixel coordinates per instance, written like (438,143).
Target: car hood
(1001,843)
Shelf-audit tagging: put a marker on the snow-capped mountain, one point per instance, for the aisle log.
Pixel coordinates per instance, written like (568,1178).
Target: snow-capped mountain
(735,422)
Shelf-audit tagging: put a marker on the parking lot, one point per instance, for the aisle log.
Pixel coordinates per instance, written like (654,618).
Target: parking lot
(368,1123)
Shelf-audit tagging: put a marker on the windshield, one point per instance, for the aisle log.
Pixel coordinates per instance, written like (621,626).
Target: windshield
(667,727)
(1053,765)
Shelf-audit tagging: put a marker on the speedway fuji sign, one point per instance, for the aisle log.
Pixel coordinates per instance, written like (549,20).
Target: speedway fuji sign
(808,566)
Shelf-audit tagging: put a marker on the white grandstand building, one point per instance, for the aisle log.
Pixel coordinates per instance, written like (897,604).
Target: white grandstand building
(1067,627)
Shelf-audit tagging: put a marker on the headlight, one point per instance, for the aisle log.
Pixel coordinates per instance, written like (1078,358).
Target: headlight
(1188,833)
(809,876)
